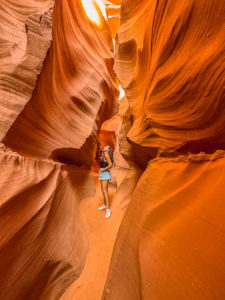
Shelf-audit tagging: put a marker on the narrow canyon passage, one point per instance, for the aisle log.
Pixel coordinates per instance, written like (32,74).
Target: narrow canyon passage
(147,78)
(60,88)
(101,235)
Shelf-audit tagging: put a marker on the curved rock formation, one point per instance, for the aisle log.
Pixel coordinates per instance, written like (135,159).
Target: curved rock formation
(43,246)
(76,92)
(171,241)
(170,62)
(26,34)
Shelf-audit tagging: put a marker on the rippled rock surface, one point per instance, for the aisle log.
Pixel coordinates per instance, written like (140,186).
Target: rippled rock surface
(170,62)
(26,34)
(51,142)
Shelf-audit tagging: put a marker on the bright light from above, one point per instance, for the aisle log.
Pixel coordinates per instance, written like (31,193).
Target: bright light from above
(101,5)
(95,10)
(122,93)
(114,46)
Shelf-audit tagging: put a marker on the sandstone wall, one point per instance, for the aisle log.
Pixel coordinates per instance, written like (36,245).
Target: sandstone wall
(43,243)
(26,34)
(50,146)
(170,62)
(76,92)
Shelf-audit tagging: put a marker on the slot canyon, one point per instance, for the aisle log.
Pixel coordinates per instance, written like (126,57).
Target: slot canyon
(145,77)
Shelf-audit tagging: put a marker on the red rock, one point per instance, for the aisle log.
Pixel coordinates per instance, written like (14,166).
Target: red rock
(75,93)
(43,246)
(172,100)
(26,34)
(170,62)
(171,241)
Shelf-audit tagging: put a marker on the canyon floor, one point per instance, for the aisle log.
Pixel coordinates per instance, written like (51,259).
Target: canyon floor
(101,234)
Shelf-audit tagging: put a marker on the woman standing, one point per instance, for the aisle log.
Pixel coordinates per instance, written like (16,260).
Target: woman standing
(104,177)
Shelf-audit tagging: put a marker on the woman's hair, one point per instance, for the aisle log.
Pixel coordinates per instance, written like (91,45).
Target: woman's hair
(110,151)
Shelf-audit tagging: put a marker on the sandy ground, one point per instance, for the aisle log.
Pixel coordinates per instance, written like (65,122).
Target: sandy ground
(101,233)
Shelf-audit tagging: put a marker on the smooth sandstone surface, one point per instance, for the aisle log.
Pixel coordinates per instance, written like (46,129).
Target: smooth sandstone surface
(75,93)
(171,243)
(170,61)
(44,245)
(25,37)
(101,235)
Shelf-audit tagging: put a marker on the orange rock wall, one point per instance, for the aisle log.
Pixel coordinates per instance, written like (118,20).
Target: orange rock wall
(170,61)
(25,37)
(76,92)
(171,241)
(43,245)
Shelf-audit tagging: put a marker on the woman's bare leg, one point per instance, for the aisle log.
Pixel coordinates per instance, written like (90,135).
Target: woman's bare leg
(105,192)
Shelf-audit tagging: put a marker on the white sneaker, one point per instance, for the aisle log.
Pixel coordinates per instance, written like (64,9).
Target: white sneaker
(108,213)
(103,206)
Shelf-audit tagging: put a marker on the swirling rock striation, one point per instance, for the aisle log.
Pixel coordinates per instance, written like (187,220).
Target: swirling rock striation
(75,93)
(26,34)
(43,244)
(170,61)
(171,241)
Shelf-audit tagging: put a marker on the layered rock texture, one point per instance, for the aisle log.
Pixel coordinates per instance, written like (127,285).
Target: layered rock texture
(170,58)
(75,93)
(170,61)
(26,34)
(43,244)
(52,140)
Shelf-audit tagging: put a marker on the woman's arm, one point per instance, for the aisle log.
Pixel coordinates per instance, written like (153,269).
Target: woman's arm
(108,161)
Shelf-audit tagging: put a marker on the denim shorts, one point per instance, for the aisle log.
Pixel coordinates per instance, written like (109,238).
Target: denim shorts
(104,175)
